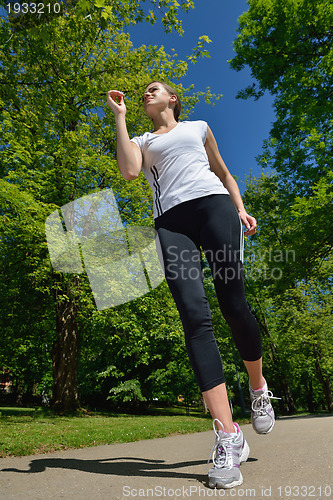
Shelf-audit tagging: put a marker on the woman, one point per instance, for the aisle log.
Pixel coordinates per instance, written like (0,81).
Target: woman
(197,204)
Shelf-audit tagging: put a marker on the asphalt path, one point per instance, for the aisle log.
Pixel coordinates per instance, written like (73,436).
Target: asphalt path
(293,461)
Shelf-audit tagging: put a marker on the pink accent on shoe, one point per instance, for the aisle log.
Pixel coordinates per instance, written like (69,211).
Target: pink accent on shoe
(262,389)
(236,427)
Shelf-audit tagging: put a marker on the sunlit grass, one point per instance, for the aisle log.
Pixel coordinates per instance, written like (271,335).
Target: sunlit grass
(27,434)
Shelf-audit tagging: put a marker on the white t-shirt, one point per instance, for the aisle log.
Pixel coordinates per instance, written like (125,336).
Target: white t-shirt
(176,165)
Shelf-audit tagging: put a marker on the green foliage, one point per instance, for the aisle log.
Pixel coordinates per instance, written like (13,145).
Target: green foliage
(143,341)
(127,392)
(198,49)
(116,13)
(58,144)
(289,278)
(288,46)
(26,317)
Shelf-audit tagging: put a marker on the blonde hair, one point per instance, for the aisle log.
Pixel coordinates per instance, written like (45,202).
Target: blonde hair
(171,91)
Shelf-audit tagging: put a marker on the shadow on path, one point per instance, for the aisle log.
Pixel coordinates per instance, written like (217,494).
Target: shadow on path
(120,466)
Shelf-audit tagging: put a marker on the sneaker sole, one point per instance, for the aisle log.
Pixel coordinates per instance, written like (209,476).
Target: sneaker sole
(245,453)
(216,483)
(265,432)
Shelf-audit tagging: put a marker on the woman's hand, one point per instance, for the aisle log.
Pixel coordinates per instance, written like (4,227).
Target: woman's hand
(249,222)
(115,100)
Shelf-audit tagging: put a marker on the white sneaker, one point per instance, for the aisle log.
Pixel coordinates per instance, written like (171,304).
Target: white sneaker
(228,452)
(262,415)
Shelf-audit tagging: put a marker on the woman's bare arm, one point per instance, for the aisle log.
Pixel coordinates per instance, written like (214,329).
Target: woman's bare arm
(218,166)
(129,156)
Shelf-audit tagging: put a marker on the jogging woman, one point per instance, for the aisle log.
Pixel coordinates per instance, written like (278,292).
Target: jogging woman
(197,204)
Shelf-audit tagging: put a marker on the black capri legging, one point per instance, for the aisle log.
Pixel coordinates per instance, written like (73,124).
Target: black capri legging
(210,222)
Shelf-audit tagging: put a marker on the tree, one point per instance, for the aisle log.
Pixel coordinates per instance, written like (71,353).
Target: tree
(288,46)
(288,279)
(136,341)
(58,142)
(26,318)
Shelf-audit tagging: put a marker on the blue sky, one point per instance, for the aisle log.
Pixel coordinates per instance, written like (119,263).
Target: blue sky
(239,126)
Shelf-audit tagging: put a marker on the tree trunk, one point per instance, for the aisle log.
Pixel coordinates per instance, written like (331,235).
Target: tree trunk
(275,361)
(325,381)
(309,397)
(288,397)
(65,353)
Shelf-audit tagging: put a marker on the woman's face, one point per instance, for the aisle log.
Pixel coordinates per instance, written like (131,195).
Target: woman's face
(155,96)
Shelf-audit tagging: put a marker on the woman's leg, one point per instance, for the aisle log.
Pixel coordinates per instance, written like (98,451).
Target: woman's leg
(221,239)
(218,404)
(183,269)
(184,276)
(182,266)
(254,369)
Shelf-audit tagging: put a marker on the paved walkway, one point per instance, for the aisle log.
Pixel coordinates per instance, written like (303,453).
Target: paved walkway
(294,461)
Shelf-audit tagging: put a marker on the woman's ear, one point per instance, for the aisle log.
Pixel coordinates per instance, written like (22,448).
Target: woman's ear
(173,100)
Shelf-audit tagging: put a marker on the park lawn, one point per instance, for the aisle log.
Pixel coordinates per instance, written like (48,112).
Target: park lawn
(34,433)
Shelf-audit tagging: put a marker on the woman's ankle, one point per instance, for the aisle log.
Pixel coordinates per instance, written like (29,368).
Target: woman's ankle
(258,385)
(227,426)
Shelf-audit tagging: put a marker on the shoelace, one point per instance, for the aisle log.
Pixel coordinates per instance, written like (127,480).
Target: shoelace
(222,456)
(259,402)
(221,452)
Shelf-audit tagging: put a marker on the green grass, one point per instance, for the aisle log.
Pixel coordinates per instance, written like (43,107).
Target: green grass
(26,432)
(12,410)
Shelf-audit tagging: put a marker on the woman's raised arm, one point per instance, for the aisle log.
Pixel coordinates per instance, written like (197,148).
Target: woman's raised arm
(129,156)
